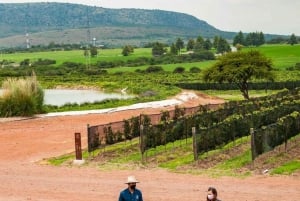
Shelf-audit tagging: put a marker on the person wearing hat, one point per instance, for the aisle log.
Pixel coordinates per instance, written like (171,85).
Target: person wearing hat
(131,193)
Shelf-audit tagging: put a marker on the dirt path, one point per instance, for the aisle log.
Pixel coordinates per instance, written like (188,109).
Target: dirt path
(25,142)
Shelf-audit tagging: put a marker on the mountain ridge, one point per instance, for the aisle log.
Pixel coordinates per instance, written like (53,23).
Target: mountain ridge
(54,22)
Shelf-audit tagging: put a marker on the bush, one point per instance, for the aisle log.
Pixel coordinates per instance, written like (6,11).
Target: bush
(179,70)
(44,62)
(195,70)
(153,69)
(21,97)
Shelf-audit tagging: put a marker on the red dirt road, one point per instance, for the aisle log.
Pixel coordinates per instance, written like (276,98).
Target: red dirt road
(25,142)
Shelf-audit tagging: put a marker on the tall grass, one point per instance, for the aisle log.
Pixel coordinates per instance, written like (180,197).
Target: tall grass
(21,97)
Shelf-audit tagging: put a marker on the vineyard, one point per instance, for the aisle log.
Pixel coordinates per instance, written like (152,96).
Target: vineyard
(274,119)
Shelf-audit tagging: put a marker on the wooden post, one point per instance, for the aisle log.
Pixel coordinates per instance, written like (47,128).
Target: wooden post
(78,146)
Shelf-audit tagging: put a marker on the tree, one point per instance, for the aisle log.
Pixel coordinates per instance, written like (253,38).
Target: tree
(93,51)
(158,49)
(255,39)
(239,68)
(190,45)
(216,41)
(86,53)
(200,39)
(207,45)
(179,44)
(223,46)
(199,45)
(173,49)
(127,50)
(239,39)
(261,39)
(293,40)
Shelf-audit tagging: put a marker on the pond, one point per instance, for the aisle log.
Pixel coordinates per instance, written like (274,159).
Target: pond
(59,97)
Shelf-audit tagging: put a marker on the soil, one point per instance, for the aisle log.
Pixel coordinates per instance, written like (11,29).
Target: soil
(26,142)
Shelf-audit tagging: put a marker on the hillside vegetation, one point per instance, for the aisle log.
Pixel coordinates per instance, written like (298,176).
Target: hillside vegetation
(65,23)
(68,23)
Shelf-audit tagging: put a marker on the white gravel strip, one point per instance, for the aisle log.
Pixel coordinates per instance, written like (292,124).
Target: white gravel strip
(153,104)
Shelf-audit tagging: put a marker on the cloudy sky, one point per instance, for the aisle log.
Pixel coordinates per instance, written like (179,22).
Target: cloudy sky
(268,16)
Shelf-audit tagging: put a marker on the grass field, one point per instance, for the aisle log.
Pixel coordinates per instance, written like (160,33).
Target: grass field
(76,55)
(283,56)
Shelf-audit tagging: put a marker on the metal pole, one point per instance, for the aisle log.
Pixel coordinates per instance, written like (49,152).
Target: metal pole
(253,151)
(195,144)
(142,141)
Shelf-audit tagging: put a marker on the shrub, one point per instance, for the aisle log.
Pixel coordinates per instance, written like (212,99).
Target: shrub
(179,70)
(153,69)
(21,97)
(44,62)
(195,70)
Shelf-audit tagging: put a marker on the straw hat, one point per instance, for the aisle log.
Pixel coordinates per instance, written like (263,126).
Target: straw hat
(131,179)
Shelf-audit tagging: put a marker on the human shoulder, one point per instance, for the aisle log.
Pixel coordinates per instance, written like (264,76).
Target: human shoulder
(138,191)
(125,191)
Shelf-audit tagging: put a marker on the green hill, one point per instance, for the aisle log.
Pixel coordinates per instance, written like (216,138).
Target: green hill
(68,23)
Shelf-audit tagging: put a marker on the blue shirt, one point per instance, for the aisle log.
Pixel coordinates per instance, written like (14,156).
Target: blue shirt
(126,195)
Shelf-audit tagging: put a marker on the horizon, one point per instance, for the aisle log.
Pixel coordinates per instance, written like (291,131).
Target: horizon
(229,15)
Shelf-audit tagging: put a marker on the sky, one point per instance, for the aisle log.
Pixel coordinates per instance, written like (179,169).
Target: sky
(269,16)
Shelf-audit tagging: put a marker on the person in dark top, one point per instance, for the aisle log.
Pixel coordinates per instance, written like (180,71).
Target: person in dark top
(131,193)
(212,194)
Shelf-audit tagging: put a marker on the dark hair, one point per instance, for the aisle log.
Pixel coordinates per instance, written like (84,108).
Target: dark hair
(214,191)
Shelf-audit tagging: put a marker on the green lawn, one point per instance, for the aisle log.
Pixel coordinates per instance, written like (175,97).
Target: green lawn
(77,55)
(283,56)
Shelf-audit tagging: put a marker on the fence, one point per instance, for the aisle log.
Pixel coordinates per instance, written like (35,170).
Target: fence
(268,137)
(116,131)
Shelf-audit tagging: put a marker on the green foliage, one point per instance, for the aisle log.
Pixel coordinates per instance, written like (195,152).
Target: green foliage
(93,51)
(154,69)
(236,162)
(25,63)
(195,70)
(173,49)
(179,44)
(293,40)
(44,62)
(272,135)
(117,26)
(207,44)
(251,39)
(179,70)
(190,45)
(237,117)
(223,46)
(239,39)
(287,168)
(21,97)
(127,50)
(239,68)
(255,39)
(158,49)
